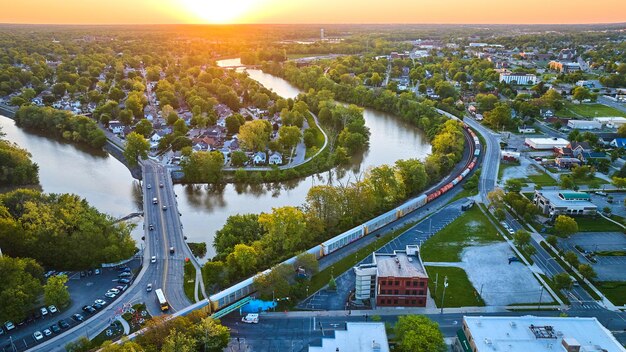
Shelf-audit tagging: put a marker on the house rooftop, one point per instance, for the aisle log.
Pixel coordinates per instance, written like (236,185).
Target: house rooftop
(540,334)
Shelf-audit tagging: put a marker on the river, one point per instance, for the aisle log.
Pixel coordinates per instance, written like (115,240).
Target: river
(108,185)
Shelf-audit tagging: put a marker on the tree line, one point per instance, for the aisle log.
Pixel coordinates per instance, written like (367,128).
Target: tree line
(16,167)
(61,124)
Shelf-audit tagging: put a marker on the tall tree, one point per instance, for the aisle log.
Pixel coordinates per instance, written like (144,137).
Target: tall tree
(417,333)
(565,226)
(56,291)
(255,135)
(137,147)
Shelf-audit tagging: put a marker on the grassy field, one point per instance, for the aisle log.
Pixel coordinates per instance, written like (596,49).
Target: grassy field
(319,138)
(596,224)
(588,111)
(615,291)
(190,281)
(459,293)
(542,179)
(471,228)
(503,167)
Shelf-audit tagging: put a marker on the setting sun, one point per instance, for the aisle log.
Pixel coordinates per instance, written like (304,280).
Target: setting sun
(219,12)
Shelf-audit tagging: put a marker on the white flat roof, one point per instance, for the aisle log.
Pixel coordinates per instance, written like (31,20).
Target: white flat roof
(358,337)
(514,334)
(555,141)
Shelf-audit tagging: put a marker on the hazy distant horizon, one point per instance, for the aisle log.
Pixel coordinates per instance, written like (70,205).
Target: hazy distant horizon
(445,12)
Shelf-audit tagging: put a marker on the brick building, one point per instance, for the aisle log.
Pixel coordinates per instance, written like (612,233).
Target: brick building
(395,279)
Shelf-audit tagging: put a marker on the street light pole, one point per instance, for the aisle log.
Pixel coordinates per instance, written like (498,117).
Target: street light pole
(540,296)
(445,284)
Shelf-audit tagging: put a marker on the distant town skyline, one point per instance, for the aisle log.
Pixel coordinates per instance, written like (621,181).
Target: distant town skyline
(312,11)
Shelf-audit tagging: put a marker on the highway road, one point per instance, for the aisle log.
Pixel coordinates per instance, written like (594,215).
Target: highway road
(166,273)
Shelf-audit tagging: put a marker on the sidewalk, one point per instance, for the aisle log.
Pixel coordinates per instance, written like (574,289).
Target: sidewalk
(124,324)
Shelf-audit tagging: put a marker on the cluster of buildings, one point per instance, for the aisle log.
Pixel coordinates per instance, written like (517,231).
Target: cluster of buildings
(487,334)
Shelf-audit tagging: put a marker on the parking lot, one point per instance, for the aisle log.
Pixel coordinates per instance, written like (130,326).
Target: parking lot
(84,290)
(617,206)
(608,268)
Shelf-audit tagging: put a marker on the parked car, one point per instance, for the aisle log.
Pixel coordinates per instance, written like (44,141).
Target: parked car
(123,268)
(251,318)
(98,306)
(123,281)
(55,328)
(9,326)
(110,294)
(52,309)
(114,290)
(89,309)
(63,324)
(43,311)
(97,271)
(78,317)
(38,336)
(100,302)
(125,274)
(600,193)
(122,287)
(47,332)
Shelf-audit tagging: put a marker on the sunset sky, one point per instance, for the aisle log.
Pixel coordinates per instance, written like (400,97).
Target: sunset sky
(311,11)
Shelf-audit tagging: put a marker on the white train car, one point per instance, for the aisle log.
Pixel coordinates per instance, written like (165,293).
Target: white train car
(411,205)
(341,240)
(379,221)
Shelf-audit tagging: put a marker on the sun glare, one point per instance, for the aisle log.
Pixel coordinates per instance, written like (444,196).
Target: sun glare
(219,11)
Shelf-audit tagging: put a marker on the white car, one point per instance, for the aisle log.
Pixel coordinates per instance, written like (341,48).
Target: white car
(97,271)
(47,332)
(38,336)
(251,319)
(43,311)
(9,326)
(100,301)
(510,230)
(153,259)
(52,309)
(114,290)
(110,295)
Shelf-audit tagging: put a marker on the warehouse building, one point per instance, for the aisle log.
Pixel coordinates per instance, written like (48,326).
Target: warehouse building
(357,337)
(564,202)
(534,334)
(396,279)
(611,122)
(546,143)
(584,125)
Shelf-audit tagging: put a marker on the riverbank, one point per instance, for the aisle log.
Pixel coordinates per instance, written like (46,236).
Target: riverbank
(7,111)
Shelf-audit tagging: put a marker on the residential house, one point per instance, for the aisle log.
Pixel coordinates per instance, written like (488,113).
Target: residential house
(618,143)
(276,159)
(259,158)
(116,127)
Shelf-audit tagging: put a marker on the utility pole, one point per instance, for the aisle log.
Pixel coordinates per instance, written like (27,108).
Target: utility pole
(540,296)
(445,284)
(436,283)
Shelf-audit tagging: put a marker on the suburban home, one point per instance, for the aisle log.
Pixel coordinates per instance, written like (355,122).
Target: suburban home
(618,143)
(590,156)
(116,127)
(566,162)
(547,113)
(259,158)
(276,159)
(578,148)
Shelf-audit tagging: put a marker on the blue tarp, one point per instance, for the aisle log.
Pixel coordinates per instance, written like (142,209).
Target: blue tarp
(257,305)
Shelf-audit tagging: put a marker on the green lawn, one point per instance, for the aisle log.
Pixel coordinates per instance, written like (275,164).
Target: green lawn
(542,179)
(471,228)
(319,137)
(117,331)
(504,166)
(596,180)
(615,291)
(460,291)
(190,281)
(588,110)
(596,224)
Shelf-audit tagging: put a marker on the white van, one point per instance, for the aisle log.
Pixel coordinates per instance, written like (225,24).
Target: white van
(251,319)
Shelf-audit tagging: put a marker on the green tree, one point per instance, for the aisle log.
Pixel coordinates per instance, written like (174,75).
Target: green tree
(619,182)
(21,285)
(180,127)
(136,147)
(521,238)
(276,283)
(81,345)
(571,258)
(239,228)
(289,137)
(56,291)
(211,335)
(144,128)
(417,333)
(307,261)
(238,158)
(562,281)
(242,260)
(513,185)
(179,342)
(286,231)
(255,135)
(499,117)
(204,167)
(486,102)
(565,226)
(587,271)
(234,122)
(581,93)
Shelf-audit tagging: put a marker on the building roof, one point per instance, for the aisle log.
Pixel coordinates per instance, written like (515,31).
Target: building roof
(358,337)
(567,198)
(540,334)
(399,264)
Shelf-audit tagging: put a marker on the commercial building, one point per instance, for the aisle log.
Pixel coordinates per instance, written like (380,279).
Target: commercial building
(611,122)
(546,143)
(564,67)
(566,202)
(584,125)
(534,334)
(516,78)
(357,337)
(396,279)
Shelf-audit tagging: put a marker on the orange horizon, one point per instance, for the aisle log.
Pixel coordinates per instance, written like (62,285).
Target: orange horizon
(309,12)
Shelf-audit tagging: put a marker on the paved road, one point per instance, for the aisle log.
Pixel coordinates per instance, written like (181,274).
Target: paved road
(276,332)
(166,273)
(619,106)
(490,158)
